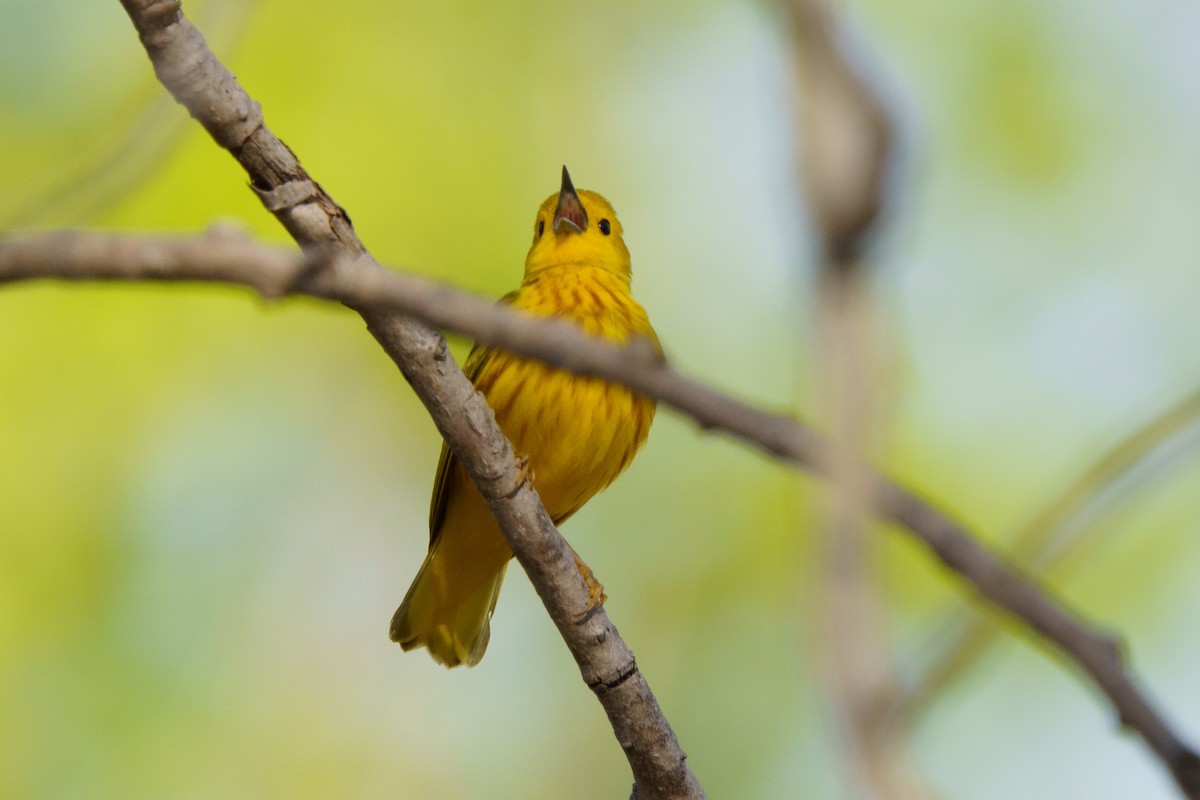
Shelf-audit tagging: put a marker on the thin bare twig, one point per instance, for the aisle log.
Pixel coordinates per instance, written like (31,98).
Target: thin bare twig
(198,80)
(1060,530)
(90,256)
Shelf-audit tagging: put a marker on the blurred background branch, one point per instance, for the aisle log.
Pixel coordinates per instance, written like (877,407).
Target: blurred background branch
(844,147)
(1073,523)
(115,163)
(860,671)
(844,136)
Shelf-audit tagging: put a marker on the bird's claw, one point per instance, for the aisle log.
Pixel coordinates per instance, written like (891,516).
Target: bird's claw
(525,474)
(596,595)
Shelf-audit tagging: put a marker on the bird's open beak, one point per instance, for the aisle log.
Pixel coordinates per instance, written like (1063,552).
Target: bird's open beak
(569,215)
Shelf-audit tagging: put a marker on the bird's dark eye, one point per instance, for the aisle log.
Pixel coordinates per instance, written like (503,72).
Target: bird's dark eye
(541,227)
(605,227)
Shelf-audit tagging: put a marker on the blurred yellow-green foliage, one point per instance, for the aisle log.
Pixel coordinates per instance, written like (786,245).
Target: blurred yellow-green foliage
(209,507)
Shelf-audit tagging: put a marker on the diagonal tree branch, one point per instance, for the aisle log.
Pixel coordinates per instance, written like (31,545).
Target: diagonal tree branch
(194,76)
(361,283)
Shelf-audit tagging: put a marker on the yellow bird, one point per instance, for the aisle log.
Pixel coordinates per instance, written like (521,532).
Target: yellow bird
(577,433)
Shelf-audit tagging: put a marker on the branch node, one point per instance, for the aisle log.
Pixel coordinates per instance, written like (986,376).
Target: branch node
(161,15)
(287,195)
(600,684)
(586,616)
(316,261)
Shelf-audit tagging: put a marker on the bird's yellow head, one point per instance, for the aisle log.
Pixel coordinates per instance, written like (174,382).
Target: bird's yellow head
(577,227)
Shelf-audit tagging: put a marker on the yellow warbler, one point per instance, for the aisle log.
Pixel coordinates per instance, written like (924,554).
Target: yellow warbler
(577,433)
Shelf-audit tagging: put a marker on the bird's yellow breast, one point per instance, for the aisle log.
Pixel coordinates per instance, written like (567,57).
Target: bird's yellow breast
(579,433)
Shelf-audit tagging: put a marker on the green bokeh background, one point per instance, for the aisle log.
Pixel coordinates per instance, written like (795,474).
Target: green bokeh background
(209,506)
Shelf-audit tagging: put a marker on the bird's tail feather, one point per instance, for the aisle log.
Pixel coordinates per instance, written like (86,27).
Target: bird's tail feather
(451,619)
